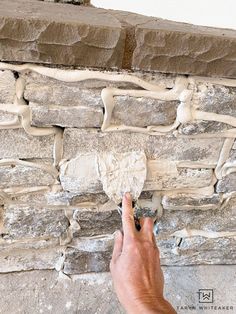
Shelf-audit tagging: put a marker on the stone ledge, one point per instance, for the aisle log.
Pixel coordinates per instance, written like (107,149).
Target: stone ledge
(92,37)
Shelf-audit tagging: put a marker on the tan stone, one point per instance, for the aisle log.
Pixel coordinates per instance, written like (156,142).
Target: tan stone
(168,46)
(59,34)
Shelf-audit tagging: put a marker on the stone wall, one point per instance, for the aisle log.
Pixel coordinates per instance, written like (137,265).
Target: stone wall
(56,221)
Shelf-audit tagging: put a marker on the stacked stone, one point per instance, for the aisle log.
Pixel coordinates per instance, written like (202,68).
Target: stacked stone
(52,215)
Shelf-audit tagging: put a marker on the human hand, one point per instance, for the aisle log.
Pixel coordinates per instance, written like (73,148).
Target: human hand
(135,266)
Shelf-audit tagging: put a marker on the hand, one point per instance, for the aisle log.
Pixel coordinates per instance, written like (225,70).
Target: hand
(135,266)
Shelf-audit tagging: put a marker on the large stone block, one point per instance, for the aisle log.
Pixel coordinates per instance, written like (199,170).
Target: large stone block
(73,172)
(7,87)
(227,184)
(167,46)
(142,112)
(77,117)
(27,221)
(186,202)
(16,143)
(197,150)
(59,34)
(94,222)
(209,221)
(21,175)
(37,291)
(14,260)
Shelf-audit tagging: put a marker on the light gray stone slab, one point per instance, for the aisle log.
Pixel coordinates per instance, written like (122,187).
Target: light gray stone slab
(19,175)
(16,143)
(37,291)
(198,150)
(227,184)
(7,87)
(78,117)
(17,260)
(27,221)
(186,202)
(211,220)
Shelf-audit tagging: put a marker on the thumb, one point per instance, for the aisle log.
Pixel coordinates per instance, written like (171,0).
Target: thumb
(118,245)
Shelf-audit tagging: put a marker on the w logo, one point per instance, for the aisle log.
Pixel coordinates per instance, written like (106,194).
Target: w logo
(205,296)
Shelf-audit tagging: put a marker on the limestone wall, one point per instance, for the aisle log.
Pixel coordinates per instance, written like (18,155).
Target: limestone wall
(55,121)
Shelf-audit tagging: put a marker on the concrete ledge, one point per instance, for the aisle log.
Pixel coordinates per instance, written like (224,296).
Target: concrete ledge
(62,34)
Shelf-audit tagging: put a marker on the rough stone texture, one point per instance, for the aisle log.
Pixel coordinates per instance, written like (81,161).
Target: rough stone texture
(156,147)
(211,98)
(72,176)
(182,48)
(212,220)
(16,143)
(77,117)
(227,184)
(147,111)
(186,202)
(94,222)
(18,175)
(82,36)
(37,291)
(7,87)
(27,221)
(14,260)
(94,37)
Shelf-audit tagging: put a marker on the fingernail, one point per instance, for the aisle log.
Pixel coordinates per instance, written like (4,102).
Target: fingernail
(128,196)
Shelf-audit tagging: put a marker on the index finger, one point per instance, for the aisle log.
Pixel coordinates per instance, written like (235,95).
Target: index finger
(128,216)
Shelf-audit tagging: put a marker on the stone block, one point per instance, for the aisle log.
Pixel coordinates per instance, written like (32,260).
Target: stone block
(77,117)
(37,291)
(186,202)
(20,260)
(211,98)
(21,175)
(27,221)
(93,222)
(73,172)
(7,87)
(82,36)
(227,184)
(142,112)
(16,143)
(197,150)
(168,46)
(208,221)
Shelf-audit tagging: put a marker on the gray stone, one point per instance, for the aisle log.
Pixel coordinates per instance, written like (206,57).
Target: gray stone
(227,184)
(191,128)
(77,262)
(142,112)
(156,147)
(6,117)
(7,87)
(16,143)
(19,175)
(94,222)
(211,98)
(45,90)
(186,202)
(197,251)
(168,46)
(82,35)
(73,172)
(211,220)
(27,221)
(78,117)
(16,260)
(37,291)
